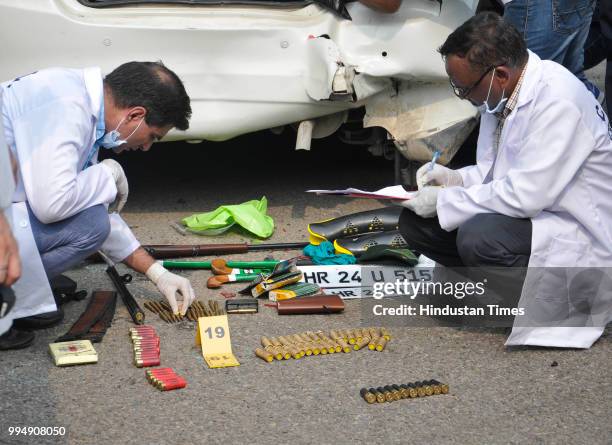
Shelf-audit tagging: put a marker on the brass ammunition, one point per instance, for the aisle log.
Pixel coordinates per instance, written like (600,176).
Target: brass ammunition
(388,395)
(405,391)
(374,333)
(435,386)
(372,344)
(285,352)
(367,395)
(380,397)
(264,355)
(395,394)
(420,389)
(265,342)
(412,390)
(443,387)
(352,337)
(344,345)
(428,389)
(147,305)
(361,343)
(275,341)
(385,333)
(381,343)
(399,390)
(164,316)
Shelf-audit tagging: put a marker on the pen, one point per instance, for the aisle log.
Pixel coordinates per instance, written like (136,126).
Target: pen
(435,157)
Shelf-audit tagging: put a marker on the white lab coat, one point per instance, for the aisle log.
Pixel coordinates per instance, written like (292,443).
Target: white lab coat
(554,166)
(7,187)
(50,122)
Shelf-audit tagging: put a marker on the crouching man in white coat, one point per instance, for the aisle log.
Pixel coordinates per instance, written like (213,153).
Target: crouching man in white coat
(539,195)
(55,122)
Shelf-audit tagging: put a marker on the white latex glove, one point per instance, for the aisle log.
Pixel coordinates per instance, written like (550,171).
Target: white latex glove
(169,284)
(121,182)
(439,175)
(423,203)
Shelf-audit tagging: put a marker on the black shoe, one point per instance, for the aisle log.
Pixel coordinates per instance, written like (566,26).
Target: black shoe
(15,339)
(40,321)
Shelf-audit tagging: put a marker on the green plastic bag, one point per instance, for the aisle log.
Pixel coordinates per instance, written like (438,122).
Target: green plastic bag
(251,215)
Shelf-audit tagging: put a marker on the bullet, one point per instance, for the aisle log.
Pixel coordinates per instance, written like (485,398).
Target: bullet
(367,395)
(420,389)
(402,394)
(427,387)
(380,345)
(361,343)
(388,396)
(344,345)
(395,395)
(385,333)
(380,397)
(352,338)
(436,387)
(372,344)
(264,355)
(443,387)
(413,390)
(405,391)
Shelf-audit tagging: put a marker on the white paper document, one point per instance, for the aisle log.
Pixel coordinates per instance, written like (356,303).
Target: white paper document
(393,192)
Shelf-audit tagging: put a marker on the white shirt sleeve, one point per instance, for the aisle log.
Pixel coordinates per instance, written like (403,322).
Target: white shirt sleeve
(7,183)
(121,242)
(49,141)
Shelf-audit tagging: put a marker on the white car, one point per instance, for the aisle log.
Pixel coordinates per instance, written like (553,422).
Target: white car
(250,65)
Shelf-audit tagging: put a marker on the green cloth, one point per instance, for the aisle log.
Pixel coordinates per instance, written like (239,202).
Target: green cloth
(325,254)
(384,252)
(251,215)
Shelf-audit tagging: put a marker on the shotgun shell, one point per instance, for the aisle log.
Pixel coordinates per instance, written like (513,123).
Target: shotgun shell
(263,354)
(176,384)
(146,362)
(412,390)
(381,343)
(385,333)
(367,395)
(380,395)
(361,343)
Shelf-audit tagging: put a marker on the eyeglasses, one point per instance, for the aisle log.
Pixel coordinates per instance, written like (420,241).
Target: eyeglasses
(463,92)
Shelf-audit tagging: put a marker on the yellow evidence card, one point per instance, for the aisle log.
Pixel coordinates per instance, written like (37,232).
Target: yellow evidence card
(213,336)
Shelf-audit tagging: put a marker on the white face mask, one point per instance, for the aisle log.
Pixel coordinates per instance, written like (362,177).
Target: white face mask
(499,105)
(111,139)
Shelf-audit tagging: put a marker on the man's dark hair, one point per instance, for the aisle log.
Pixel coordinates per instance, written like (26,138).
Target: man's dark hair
(156,88)
(487,40)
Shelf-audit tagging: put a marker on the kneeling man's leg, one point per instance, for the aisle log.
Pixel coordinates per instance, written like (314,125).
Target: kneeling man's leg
(66,243)
(490,239)
(427,237)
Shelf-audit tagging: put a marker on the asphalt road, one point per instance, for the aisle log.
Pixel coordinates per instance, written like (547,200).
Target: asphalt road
(497,395)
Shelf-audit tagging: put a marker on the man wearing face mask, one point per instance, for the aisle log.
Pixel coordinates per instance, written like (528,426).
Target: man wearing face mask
(66,204)
(539,194)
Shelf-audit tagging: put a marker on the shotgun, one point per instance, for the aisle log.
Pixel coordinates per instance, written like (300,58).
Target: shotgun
(165,251)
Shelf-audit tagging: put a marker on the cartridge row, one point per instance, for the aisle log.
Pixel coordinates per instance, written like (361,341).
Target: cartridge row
(313,343)
(145,343)
(392,393)
(165,379)
(196,310)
